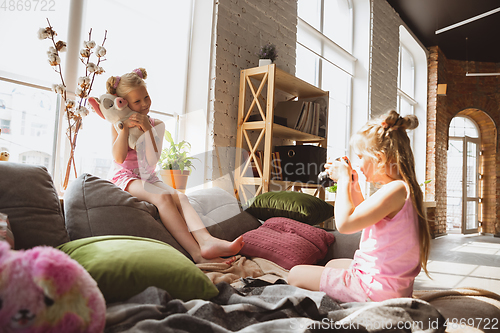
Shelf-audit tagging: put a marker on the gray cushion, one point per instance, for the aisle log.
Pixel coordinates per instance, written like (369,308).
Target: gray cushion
(345,246)
(96,207)
(214,205)
(28,197)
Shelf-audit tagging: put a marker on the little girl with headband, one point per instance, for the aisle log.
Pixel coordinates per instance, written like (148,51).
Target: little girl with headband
(395,236)
(176,213)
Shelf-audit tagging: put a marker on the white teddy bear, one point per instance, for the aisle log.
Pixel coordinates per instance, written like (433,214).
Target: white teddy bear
(116,111)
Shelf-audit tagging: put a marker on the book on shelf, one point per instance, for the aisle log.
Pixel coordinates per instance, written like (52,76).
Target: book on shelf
(320,115)
(290,110)
(276,173)
(256,164)
(308,116)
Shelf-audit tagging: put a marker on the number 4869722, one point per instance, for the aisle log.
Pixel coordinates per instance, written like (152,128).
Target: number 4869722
(28,5)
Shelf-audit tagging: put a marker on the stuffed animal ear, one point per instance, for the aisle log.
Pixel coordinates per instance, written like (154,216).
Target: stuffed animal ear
(120,103)
(52,265)
(94,102)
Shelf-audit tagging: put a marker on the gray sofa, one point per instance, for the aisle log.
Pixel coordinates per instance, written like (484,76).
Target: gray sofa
(96,207)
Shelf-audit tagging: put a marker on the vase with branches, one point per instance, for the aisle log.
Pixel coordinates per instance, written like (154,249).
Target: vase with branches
(74,110)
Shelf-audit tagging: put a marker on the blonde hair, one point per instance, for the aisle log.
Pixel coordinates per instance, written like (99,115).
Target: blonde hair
(385,140)
(121,86)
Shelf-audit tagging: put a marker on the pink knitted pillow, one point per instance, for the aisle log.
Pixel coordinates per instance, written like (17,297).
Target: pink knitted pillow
(287,242)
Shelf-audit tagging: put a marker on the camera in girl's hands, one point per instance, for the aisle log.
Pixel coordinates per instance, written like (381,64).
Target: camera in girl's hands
(324,180)
(323,177)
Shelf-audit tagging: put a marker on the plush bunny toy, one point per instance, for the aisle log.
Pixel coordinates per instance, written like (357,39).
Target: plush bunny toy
(44,290)
(116,111)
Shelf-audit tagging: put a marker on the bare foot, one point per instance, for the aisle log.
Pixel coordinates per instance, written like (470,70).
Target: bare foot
(218,260)
(215,247)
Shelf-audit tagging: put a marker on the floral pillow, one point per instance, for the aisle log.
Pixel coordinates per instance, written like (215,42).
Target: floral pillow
(287,242)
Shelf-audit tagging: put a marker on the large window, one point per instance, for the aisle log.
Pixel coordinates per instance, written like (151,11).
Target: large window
(29,111)
(28,122)
(412,94)
(324,58)
(406,84)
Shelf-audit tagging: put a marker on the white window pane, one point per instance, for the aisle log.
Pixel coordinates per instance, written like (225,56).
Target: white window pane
(406,72)
(169,121)
(310,11)
(309,38)
(27,119)
(339,58)
(405,108)
(130,46)
(22,52)
(93,149)
(336,82)
(338,23)
(470,128)
(462,126)
(307,65)
(160,43)
(337,129)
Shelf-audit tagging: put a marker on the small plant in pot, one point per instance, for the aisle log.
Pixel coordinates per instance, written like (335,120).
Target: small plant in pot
(175,163)
(267,54)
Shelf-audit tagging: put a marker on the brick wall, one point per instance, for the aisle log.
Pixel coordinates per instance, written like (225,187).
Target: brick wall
(479,99)
(242,26)
(384,62)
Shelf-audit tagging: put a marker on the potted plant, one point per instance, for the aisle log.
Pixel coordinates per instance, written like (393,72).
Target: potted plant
(267,54)
(175,163)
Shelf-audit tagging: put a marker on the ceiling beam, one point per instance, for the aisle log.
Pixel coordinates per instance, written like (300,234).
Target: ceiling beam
(472,19)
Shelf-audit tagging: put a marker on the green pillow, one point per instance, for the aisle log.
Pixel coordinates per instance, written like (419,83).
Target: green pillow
(124,266)
(293,205)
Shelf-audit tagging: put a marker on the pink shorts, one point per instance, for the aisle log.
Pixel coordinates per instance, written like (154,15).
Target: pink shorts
(124,177)
(342,285)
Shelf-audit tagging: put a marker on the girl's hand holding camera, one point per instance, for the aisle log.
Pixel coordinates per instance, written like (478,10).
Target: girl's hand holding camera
(340,168)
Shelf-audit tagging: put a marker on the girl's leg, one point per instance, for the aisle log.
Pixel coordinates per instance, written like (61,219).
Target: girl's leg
(309,276)
(339,263)
(306,276)
(210,246)
(169,206)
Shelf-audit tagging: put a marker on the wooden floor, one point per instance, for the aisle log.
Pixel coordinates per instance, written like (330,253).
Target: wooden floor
(462,261)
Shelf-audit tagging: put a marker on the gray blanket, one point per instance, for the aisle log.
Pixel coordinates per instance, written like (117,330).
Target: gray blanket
(259,307)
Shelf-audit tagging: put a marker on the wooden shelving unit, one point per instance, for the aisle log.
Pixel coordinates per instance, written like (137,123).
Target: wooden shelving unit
(258,87)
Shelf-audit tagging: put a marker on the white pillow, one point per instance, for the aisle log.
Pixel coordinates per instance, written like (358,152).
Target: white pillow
(214,205)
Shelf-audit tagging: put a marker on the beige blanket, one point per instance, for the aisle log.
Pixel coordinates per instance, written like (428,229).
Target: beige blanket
(243,267)
(466,309)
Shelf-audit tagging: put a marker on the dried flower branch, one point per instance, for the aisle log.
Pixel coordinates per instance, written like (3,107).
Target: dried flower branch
(75,111)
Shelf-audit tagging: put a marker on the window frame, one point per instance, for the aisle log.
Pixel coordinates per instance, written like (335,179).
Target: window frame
(418,101)
(60,149)
(350,60)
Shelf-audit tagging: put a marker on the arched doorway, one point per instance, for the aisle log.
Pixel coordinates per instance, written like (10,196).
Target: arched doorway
(463,176)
